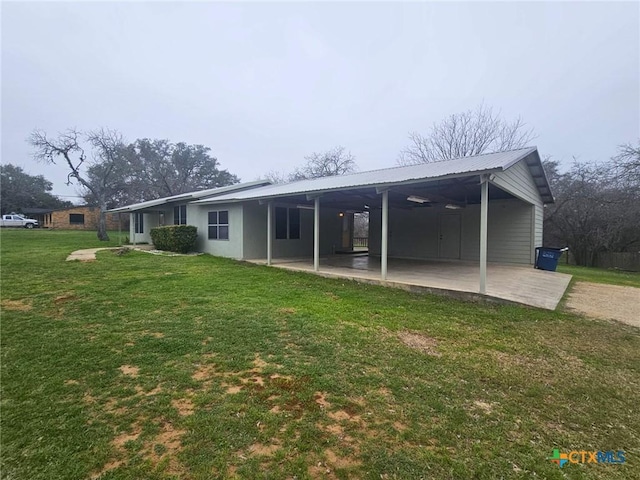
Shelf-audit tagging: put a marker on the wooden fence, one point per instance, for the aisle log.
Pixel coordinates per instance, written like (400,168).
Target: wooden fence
(620,260)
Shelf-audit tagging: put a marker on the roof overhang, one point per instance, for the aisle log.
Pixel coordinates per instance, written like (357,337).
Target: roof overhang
(190,196)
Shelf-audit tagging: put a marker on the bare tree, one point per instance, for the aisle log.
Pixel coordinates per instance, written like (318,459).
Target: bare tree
(627,163)
(464,134)
(336,161)
(593,211)
(275,176)
(99,177)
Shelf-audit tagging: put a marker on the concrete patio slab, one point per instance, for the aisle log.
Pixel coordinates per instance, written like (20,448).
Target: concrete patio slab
(510,283)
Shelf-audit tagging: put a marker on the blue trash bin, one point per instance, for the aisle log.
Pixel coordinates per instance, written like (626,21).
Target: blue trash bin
(547,258)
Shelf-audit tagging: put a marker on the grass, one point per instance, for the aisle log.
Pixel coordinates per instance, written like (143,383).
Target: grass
(138,366)
(601,275)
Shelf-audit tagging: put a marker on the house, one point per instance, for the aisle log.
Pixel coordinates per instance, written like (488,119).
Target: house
(468,211)
(82,217)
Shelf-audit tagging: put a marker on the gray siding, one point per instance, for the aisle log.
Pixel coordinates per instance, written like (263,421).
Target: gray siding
(149,220)
(415,233)
(255,233)
(198,215)
(254,218)
(517,180)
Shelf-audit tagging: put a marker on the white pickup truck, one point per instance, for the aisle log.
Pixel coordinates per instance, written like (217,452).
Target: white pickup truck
(15,220)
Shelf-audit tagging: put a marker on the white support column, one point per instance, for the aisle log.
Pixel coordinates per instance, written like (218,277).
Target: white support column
(484,210)
(316,234)
(132,226)
(119,229)
(269,232)
(385,235)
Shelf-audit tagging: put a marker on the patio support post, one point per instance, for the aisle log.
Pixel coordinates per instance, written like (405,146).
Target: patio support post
(316,234)
(269,232)
(484,210)
(132,221)
(385,234)
(119,229)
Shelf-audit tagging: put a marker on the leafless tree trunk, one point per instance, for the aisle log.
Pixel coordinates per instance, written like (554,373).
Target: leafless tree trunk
(99,178)
(464,134)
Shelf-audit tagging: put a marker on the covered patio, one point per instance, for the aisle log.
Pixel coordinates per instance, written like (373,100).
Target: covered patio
(511,283)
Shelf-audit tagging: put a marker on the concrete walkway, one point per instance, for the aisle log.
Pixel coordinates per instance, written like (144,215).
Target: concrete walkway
(89,254)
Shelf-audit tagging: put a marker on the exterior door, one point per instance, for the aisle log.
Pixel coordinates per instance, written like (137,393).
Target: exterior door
(449,236)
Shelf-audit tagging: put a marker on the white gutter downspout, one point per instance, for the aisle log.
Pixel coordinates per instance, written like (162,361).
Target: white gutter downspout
(484,211)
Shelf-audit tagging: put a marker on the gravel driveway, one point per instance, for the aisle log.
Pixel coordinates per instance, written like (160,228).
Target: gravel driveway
(608,302)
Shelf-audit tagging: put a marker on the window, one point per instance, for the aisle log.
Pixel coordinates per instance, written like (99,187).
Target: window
(287,223)
(219,225)
(180,215)
(138,221)
(76,218)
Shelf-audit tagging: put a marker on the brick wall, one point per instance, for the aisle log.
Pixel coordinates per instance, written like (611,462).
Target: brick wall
(81,218)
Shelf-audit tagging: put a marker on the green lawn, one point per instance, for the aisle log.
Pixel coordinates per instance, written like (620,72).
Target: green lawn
(601,275)
(139,366)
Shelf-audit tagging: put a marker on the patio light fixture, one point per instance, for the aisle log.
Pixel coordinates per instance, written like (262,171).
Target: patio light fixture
(452,206)
(416,199)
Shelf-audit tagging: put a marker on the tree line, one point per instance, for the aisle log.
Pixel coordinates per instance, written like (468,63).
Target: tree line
(112,172)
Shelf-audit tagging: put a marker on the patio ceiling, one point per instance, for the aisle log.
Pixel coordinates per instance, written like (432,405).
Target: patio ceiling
(460,191)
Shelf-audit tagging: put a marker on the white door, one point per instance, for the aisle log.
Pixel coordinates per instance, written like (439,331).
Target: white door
(449,236)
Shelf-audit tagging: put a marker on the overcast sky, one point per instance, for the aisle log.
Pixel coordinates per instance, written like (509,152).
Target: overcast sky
(264,84)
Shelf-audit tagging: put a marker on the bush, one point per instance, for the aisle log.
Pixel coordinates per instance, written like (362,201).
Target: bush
(175,238)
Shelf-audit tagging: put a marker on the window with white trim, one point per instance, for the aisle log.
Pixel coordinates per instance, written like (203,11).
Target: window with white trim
(219,225)
(180,215)
(138,221)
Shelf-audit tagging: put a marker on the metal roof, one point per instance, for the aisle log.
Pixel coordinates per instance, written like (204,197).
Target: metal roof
(191,196)
(491,162)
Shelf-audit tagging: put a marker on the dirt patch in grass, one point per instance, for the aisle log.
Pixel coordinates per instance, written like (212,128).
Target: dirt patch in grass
(71,382)
(340,415)
(155,334)
(420,342)
(288,310)
(153,391)
(399,426)
(260,449)
(319,470)
(232,389)
(184,406)
(111,465)
(121,440)
(340,461)
(170,438)
(204,372)
(259,364)
(321,399)
(255,380)
(130,370)
(16,305)
(484,407)
(66,297)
